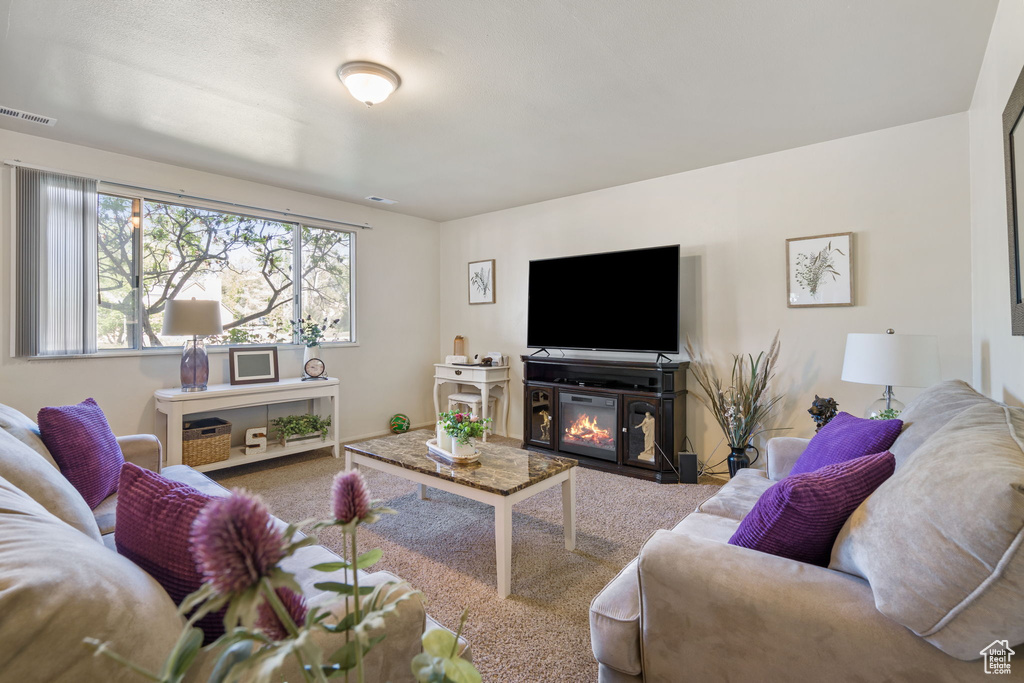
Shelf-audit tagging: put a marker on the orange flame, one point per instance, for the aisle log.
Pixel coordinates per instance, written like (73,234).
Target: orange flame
(586,431)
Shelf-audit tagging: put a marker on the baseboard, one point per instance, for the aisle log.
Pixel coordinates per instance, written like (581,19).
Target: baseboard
(374,435)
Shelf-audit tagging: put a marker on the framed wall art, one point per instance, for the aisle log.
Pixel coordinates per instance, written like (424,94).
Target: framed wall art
(481,282)
(253,365)
(819,270)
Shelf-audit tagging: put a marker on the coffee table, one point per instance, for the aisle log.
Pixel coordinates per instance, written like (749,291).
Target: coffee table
(502,477)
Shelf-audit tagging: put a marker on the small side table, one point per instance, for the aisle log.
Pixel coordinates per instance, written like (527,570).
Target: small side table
(484,379)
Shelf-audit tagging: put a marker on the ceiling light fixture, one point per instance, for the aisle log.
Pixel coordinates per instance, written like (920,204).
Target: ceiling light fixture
(368,82)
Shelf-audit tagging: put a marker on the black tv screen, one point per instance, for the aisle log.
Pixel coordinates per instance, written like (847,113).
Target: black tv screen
(616,301)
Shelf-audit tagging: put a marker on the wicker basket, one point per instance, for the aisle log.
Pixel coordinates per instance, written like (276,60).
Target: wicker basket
(205,441)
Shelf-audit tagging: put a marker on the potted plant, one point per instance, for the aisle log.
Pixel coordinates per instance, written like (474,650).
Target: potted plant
(296,428)
(463,429)
(311,333)
(741,407)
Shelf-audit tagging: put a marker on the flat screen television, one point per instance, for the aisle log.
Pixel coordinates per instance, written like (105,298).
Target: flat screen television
(615,301)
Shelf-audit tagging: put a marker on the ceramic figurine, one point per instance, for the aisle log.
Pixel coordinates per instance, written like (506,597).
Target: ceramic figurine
(647,426)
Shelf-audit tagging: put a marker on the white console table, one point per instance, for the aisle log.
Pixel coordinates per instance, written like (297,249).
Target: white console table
(484,378)
(176,404)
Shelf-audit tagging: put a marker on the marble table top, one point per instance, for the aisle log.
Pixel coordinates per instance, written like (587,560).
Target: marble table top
(501,469)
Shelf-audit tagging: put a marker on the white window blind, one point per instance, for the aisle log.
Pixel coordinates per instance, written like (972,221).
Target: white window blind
(56,272)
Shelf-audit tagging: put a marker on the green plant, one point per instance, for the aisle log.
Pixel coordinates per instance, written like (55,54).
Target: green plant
(811,269)
(312,332)
(300,425)
(463,426)
(742,407)
(887,414)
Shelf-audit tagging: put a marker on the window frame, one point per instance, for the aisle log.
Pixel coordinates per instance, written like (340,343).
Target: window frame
(138,349)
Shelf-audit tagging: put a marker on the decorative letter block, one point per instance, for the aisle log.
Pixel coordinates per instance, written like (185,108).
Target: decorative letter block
(256,441)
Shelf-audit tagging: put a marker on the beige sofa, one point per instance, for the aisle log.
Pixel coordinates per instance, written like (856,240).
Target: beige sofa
(923,576)
(61,579)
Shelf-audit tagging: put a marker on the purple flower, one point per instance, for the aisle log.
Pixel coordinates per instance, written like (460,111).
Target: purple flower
(235,542)
(270,625)
(349,497)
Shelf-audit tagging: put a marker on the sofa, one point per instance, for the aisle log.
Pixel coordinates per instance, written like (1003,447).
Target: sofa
(61,579)
(924,574)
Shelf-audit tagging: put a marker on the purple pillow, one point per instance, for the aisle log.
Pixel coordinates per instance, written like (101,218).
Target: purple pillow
(154,519)
(86,451)
(844,438)
(800,516)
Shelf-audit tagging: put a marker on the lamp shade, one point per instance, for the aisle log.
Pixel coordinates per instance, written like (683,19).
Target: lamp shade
(192,317)
(897,360)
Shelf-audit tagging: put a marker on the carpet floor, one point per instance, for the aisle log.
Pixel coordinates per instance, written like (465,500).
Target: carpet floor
(444,547)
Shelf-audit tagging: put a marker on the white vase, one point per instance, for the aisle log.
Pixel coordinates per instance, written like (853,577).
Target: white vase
(463,450)
(309,352)
(444,442)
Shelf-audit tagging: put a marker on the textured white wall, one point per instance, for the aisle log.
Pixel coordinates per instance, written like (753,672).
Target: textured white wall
(998,355)
(396,307)
(903,191)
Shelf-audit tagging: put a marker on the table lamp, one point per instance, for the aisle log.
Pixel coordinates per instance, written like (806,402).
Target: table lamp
(198,319)
(891,360)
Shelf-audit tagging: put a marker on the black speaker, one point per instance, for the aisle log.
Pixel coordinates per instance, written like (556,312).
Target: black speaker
(687,468)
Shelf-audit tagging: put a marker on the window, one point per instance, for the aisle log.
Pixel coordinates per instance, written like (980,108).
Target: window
(152,251)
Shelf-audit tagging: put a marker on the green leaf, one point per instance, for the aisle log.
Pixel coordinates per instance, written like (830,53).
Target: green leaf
(439,642)
(186,653)
(369,558)
(331,566)
(428,669)
(342,588)
(231,656)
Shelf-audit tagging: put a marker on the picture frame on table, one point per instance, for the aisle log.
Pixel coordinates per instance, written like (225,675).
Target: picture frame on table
(819,271)
(481,282)
(253,364)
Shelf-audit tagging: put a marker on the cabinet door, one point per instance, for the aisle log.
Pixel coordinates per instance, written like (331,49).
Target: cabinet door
(642,431)
(540,416)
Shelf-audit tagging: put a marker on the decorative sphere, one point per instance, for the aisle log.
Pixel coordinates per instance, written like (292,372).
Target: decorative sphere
(400,423)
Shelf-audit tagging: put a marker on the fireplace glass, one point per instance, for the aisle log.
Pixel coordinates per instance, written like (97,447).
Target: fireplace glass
(587,425)
(642,426)
(542,417)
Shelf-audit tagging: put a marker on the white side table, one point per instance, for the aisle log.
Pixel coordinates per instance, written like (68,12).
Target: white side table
(176,404)
(484,379)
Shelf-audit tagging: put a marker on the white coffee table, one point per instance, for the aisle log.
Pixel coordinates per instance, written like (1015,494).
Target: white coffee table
(502,477)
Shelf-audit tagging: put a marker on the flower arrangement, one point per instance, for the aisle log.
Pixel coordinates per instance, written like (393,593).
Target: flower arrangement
(741,407)
(463,426)
(312,332)
(887,414)
(238,550)
(811,269)
(300,425)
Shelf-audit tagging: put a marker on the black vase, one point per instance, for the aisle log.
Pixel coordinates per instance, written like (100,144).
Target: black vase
(738,459)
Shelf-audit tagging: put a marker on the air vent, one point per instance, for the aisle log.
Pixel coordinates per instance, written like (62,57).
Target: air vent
(381,200)
(26,116)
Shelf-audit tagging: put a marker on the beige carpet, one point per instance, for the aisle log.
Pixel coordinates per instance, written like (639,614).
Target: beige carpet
(444,547)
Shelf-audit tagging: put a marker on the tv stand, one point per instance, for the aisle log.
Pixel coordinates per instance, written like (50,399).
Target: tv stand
(547,353)
(632,413)
(660,356)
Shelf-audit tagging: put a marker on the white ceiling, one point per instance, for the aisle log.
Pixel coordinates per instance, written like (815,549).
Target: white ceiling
(502,103)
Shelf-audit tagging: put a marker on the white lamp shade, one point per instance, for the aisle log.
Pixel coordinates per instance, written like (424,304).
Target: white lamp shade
(898,360)
(192,317)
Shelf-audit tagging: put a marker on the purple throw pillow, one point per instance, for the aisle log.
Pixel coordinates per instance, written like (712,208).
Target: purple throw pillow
(154,520)
(844,438)
(800,516)
(86,451)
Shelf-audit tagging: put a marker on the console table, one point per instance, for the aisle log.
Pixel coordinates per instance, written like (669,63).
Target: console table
(484,378)
(175,404)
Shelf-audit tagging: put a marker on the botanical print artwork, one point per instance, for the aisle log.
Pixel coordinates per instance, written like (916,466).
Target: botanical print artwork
(820,270)
(481,282)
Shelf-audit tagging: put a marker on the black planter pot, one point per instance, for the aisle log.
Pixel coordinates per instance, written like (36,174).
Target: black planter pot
(738,459)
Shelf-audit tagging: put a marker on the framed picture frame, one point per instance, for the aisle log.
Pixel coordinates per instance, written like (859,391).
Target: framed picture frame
(253,364)
(819,271)
(481,282)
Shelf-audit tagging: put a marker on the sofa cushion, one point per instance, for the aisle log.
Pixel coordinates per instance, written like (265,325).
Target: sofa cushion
(844,438)
(60,587)
(930,411)
(105,514)
(615,622)
(154,523)
(26,469)
(22,428)
(940,541)
(738,496)
(81,442)
(711,527)
(800,516)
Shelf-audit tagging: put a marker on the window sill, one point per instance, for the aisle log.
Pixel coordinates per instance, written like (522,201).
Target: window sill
(176,351)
